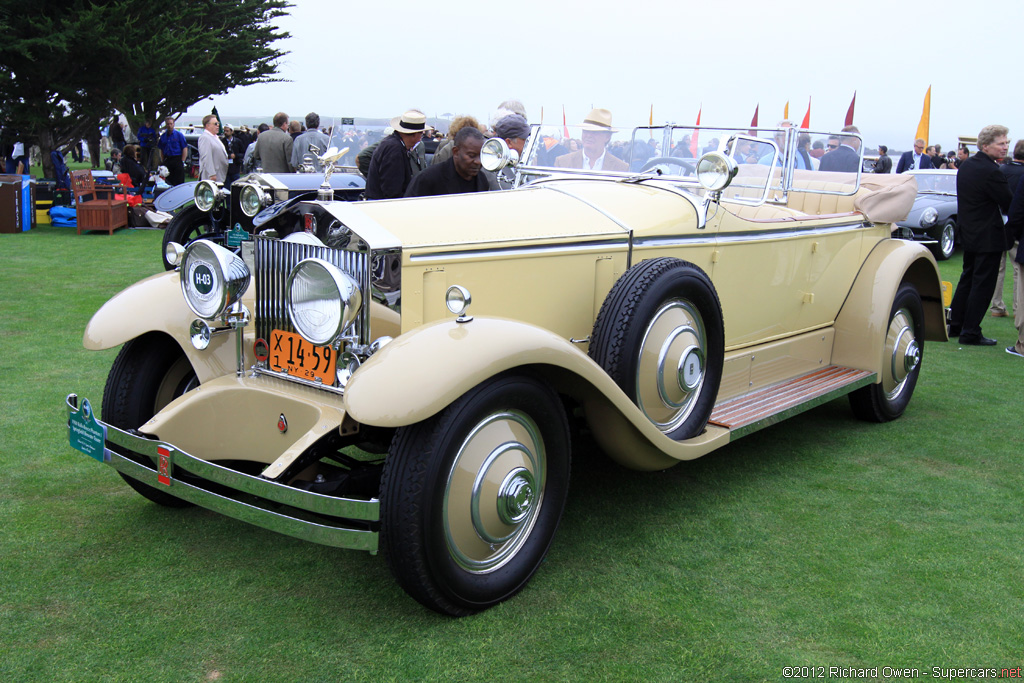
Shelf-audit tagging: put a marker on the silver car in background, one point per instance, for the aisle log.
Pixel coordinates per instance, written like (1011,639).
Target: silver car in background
(932,221)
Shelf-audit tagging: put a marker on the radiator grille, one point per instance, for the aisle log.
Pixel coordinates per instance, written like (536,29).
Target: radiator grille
(274,259)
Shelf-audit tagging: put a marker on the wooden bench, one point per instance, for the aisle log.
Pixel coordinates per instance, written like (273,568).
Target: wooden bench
(97,208)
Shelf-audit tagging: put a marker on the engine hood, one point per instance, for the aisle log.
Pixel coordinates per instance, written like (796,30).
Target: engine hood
(552,211)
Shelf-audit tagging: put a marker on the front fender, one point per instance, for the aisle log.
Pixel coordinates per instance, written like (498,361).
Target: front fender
(421,372)
(156,304)
(863,320)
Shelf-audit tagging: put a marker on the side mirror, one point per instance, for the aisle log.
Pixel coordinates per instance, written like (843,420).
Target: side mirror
(495,155)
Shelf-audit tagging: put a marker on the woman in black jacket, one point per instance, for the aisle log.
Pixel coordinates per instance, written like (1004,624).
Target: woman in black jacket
(130,164)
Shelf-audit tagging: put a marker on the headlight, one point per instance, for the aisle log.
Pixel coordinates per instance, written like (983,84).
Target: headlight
(212,278)
(205,195)
(496,155)
(252,199)
(322,300)
(929,217)
(715,171)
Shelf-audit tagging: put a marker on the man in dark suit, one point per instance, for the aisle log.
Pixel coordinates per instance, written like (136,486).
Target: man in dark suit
(982,197)
(846,157)
(884,163)
(911,161)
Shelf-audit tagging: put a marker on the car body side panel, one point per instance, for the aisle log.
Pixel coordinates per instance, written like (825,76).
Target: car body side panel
(861,324)
(418,374)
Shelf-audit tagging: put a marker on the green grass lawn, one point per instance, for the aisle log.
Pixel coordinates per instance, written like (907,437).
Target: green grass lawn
(821,541)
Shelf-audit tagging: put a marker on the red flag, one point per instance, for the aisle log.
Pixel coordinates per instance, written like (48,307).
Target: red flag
(693,140)
(806,123)
(753,121)
(849,112)
(565,128)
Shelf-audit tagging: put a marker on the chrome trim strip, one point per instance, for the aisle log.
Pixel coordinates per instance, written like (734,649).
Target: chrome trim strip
(252,511)
(776,233)
(340,391)
(566,247)
(802,407)
(674,240)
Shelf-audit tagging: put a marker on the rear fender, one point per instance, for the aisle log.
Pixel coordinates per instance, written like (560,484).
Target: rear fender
(863,320)
(421,372)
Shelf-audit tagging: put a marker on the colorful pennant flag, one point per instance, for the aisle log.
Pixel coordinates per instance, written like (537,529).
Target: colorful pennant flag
(785,112)
(922,127)
(693,140)
(565,127)
(806,123)
(849,112)
(753,121)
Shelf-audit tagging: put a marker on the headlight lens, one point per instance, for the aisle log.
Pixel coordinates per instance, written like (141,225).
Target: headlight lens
(496,155)
(457,299)
(929,217)
(212,278)
(252,200)
(205,195)
(715,171)
(322,300)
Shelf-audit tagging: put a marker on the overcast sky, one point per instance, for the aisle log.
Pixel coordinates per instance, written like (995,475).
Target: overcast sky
(727,56)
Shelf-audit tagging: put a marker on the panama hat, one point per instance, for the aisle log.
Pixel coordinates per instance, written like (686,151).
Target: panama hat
(599,119)
(411,121)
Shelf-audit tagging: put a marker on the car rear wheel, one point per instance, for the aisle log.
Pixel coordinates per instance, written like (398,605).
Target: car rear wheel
(471,498)
(903,352)
(148,373)
(660,336)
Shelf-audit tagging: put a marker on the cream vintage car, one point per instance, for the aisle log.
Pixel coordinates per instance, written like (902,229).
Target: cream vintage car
(402,375)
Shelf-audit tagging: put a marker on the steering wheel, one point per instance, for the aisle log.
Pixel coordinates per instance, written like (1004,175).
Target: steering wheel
(686,166)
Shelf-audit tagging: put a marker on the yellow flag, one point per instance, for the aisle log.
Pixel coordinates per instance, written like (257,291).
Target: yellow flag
(785,112)
(922,128)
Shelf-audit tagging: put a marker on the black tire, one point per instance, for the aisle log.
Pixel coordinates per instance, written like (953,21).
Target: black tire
(904,351)
(668,307)
(147,374)
(437,507)
(188,225)
(945,234)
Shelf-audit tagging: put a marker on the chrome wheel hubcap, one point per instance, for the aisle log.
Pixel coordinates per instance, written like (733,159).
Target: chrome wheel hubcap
(905,350)
(672,364)
(494,492)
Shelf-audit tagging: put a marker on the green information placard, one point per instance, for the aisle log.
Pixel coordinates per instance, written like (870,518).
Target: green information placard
(88,435)
(237,235)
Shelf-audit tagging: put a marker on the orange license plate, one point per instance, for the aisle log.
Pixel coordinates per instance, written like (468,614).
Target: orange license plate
(294,355)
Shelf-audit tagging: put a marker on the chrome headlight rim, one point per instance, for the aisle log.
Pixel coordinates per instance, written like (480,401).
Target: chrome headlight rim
(715,171)
(495,154)
(250,208)
(314,280)
(205,195)
(212,278)
(929,217)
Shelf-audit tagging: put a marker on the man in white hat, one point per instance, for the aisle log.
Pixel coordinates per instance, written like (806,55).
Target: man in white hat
(597,132)
(389,174)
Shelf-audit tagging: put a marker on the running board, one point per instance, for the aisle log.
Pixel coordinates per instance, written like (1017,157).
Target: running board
(762,408)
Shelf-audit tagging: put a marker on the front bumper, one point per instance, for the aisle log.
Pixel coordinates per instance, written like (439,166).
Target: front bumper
(327,520)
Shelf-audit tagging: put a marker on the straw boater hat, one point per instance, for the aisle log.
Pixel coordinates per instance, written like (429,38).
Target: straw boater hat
(411,121)
(599,120)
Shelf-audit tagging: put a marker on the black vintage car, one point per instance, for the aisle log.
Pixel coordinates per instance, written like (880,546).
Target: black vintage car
(225,215)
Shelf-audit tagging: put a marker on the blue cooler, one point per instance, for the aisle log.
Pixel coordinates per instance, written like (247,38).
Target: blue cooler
(26,212)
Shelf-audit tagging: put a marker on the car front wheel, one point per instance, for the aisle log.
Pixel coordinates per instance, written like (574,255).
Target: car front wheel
(945,235)
(148,373)
(471,498)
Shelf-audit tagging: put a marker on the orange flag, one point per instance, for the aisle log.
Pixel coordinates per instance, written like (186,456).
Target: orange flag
(693,140)
(922,127)
(785,112)
(806,123)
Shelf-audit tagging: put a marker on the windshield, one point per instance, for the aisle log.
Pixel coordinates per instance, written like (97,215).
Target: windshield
(928,183)
(344,136)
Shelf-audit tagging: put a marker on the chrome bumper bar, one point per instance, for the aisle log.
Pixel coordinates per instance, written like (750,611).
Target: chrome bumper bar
(263,498)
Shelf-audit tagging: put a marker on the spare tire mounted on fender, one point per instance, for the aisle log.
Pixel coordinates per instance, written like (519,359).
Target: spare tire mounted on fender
(660,336)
